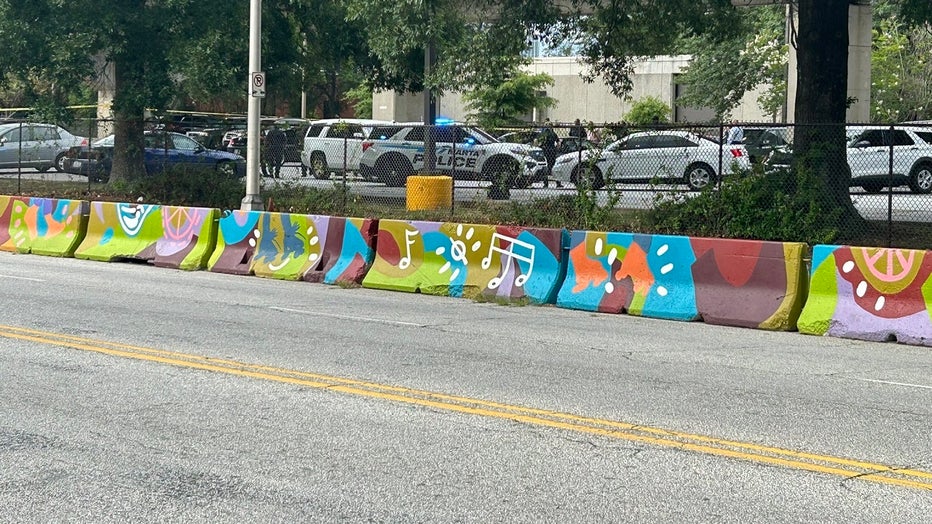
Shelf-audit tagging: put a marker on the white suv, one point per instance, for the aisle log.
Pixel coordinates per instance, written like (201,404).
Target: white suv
(334,144)
(869,157)
(396,151)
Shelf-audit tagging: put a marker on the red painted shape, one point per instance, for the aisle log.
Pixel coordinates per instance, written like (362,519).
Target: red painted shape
(736,259)
(387,248)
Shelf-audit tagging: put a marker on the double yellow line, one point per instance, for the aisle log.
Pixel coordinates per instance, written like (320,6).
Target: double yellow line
(824,464)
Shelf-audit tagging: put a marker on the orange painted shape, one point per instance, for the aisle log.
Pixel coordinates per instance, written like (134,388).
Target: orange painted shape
(589,272)
(635,266)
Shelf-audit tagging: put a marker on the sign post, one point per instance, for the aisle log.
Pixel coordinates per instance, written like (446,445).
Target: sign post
(252,201)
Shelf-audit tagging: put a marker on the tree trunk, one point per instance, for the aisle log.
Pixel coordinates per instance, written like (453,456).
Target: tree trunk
(128,124)
(821,103)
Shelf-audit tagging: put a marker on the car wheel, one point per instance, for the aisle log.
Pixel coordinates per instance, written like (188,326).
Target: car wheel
(872,187)
(226,169)
(319,166)
(60,163)
(699,176)
(588,176)
(394,170)
(920,178)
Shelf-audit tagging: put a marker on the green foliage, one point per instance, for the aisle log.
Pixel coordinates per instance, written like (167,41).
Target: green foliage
(722,71)
(188,186)
(503,104)
(475,42)
(648,110)
(295,198)
(901,72)
(360,97)
(753,206)
(614,36)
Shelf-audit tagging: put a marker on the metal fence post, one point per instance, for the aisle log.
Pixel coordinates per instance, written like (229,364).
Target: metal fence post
(452,176)
(345,190)
(19,162)
(890,191)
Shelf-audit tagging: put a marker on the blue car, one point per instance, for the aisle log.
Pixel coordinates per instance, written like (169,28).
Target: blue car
(163,151)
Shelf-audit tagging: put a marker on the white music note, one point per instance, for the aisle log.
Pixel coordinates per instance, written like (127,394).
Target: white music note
(510,253)
(409,241)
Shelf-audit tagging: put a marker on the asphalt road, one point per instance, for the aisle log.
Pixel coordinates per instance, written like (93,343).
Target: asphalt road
(906,207)
(134,393)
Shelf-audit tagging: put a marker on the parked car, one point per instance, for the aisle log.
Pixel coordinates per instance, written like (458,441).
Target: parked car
(645,156)
(760,141)
(42,146)
(396,151)
(869,158)
(332,144)
(163,150)
(868,152)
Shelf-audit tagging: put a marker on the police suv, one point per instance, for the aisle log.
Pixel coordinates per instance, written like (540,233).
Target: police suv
(394,152)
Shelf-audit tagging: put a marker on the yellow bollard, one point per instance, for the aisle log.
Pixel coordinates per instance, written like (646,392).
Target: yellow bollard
(427,193)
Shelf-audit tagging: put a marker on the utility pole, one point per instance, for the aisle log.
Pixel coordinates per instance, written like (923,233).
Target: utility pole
(252,201)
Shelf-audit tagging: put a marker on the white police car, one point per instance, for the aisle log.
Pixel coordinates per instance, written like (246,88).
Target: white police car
(395,151)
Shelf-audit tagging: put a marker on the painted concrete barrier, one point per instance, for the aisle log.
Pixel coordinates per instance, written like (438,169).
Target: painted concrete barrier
(315,248)
(237,236)
(731,282)
(44,226)
(348,251)
(466,260)
(166,236)
(869,293)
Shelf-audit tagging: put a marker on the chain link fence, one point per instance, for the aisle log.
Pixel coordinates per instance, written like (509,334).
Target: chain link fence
(594,176)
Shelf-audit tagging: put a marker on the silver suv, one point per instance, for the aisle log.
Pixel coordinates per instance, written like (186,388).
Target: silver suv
(869,157)
(42,146)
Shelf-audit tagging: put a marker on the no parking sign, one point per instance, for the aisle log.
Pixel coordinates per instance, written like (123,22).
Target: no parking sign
(257,84)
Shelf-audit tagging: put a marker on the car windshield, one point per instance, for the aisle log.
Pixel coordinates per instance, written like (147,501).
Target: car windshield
(481,136)
(852,135)
(106,141)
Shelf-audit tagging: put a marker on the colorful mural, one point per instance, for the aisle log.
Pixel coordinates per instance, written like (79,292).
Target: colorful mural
(870,293)
(238,232)
(467,260)
(43,226)
(348,252)
(188,237)
(312,247)
(167,236)
(733,282)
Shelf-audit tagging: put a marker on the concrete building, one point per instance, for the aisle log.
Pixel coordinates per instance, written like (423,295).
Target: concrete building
(578,99)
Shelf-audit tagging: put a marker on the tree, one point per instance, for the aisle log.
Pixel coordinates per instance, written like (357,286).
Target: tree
(503,104)
(134,36)
(721,72)
(476,42)
(901,72)
(647,111)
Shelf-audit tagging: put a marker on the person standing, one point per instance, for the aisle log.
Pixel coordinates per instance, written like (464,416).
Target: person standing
(735,134)
(577,130)
(593,135)
(274,151)
(548,142)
